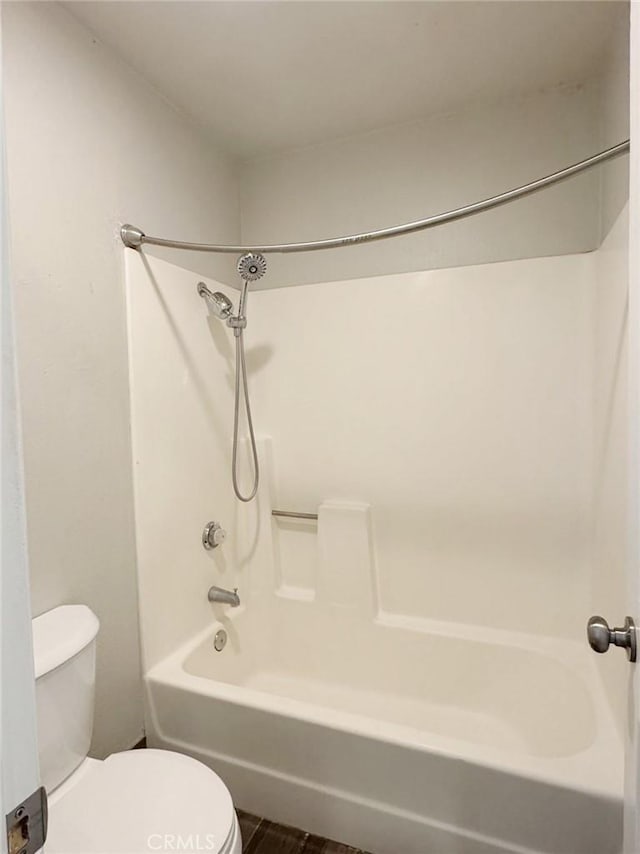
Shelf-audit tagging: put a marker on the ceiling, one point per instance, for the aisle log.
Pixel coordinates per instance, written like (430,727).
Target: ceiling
(261,77)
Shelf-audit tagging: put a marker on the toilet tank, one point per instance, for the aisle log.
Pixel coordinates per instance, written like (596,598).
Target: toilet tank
(64,650)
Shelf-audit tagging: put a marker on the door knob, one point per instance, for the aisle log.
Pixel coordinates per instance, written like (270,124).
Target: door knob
(601,636)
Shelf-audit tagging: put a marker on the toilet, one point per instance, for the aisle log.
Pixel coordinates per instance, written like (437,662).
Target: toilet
(132,802)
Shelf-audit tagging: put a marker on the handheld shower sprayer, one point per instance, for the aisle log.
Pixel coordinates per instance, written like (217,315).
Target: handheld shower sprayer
(251,266)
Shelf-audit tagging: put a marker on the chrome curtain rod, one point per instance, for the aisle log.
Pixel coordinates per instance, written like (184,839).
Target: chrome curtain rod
(134,238)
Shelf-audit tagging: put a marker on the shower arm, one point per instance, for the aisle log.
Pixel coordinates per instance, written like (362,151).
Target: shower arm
(134,238)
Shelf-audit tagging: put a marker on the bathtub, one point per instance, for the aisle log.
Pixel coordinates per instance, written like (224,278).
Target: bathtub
(398,736)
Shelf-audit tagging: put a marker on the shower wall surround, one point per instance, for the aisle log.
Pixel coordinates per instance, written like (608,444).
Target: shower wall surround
(181,380)
(456,404)
(459,434)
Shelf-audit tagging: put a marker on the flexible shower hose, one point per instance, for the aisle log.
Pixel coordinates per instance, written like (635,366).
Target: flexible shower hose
(241,374)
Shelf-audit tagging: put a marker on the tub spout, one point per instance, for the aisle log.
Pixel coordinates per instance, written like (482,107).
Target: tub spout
(227,597)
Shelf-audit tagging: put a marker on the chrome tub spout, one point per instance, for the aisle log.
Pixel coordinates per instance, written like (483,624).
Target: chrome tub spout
(226,597)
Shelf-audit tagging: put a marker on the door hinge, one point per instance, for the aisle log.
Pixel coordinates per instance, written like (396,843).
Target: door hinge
(27,824)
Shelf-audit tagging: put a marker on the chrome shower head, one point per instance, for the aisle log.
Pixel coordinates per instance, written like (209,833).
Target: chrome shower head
(252,266)
(220,304)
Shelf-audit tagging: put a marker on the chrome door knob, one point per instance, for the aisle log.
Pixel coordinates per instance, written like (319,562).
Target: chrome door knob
(213,535)
(601,636)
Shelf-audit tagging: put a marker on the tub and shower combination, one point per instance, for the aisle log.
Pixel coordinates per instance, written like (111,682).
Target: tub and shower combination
(395,738)
(323,700)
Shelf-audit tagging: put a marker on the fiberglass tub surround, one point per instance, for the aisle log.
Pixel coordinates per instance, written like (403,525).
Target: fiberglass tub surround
(402,734)
(462,763)
(397,675)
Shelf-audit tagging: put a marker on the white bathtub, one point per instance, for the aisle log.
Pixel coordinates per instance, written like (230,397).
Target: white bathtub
(398,738)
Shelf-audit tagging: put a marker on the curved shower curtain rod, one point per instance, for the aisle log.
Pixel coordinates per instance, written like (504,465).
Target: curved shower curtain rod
(134,238)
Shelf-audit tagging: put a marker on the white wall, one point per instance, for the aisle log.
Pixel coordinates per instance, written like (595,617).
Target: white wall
(90,145)
(19,772)
(614,126)
(407,172)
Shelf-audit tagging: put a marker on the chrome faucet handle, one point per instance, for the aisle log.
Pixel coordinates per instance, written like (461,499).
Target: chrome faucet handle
(213,535)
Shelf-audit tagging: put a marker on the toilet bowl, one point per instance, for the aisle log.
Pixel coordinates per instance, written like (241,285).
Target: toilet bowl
(132,802)
(142,800)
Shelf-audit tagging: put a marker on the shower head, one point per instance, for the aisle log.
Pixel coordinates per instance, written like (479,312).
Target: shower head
(252,266)
(220,304)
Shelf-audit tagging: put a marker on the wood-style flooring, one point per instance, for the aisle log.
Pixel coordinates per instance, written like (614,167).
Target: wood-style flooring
(260,836)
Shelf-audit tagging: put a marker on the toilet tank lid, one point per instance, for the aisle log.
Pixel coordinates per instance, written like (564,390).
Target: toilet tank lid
(60,634)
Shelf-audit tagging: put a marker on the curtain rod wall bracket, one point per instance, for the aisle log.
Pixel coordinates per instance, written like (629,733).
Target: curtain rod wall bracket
(134,237)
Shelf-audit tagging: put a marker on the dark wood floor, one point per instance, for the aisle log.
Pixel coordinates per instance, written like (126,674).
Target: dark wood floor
(260,836)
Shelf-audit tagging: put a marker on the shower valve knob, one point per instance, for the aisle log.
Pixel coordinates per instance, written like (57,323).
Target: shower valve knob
(213,535)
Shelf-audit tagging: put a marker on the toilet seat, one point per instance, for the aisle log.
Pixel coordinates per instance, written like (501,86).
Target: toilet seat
(142,801)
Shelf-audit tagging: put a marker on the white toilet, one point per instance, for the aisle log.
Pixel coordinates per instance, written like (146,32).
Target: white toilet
(133,802)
